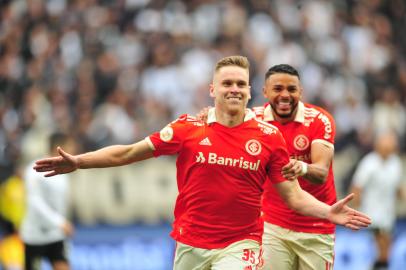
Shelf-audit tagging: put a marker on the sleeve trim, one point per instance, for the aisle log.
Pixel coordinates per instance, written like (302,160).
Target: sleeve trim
(150,144)
(326,143)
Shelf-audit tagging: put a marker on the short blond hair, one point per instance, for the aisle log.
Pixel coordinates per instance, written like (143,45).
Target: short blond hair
(234,60)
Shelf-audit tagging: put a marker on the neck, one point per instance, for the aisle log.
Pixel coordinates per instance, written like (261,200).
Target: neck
(230,119)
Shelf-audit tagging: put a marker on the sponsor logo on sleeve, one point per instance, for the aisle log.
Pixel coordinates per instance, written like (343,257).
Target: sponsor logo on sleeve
(166,134)
(327,126)
(267,129)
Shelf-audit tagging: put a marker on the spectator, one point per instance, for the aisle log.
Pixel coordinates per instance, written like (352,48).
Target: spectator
(376,183)
(45,226)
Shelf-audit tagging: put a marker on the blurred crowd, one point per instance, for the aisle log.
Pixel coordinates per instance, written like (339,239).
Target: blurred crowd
(114,71)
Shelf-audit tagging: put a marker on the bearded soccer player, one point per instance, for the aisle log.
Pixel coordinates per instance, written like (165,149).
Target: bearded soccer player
(221,166)
(293,241)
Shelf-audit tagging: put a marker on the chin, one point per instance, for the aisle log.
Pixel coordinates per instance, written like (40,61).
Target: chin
(234,109)
(284,114)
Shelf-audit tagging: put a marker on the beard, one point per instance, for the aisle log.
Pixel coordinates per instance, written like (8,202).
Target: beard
(285,114)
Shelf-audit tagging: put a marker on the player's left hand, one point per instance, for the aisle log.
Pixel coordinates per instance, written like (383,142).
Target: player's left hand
(341,214)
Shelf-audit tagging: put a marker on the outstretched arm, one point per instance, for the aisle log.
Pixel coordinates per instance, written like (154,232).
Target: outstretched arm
(338,213)
(110,156)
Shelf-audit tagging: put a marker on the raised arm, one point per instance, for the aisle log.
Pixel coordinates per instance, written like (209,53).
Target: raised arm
(304,203)
(110,156)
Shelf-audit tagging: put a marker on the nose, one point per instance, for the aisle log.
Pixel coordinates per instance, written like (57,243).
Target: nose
(285,93)
(235,89)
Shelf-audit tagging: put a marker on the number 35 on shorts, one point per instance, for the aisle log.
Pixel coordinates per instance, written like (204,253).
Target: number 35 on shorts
(253,257)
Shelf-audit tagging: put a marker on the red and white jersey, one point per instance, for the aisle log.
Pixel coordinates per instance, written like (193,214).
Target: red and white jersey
(220,177)
(312,125)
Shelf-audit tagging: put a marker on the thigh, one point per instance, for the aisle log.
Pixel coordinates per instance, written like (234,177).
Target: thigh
(277,252)
(314,251)
(244,255)
(32,256)
(191,258)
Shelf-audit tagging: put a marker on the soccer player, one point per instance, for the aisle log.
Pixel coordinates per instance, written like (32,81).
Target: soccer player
(221,166)
(45,227)
(291,240)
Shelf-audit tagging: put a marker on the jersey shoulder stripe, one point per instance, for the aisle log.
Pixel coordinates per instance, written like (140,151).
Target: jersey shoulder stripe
(323,115)
(311,112)
(186,118)
(317,109)
(265,123)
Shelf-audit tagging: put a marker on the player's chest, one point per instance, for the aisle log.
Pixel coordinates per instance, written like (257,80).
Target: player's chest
(298,138)
(239,149)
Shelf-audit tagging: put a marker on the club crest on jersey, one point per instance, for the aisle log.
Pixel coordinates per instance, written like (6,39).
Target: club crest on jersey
(166,134)
(253,147)
(301,142)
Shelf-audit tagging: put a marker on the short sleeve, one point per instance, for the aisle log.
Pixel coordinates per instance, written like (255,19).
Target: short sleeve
(279,158)
(168,141)
(324,129)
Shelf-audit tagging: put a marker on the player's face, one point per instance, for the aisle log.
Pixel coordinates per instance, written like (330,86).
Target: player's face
(283,92)
(230,88)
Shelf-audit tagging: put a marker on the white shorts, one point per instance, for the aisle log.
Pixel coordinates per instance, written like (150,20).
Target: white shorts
(241,255)
(291,250)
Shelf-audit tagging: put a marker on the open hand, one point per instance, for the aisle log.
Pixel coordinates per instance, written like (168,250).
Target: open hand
(341,214)
(64,163)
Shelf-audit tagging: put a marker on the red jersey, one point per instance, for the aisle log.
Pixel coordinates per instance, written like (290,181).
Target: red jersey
(312,124)
(220,175)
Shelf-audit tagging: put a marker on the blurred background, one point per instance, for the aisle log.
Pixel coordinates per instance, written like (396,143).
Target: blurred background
(112,72)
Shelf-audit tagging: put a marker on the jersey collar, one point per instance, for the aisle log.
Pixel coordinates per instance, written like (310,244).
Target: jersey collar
(268,116)
(211,115)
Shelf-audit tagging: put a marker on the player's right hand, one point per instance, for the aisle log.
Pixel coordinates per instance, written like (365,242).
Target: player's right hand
(64,163)
(291,171)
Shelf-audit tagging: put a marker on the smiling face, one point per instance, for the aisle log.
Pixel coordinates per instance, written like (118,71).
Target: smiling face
(230,89)
(283,92)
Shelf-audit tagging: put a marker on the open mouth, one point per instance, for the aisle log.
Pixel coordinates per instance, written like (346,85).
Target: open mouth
(234,98)
(284,105)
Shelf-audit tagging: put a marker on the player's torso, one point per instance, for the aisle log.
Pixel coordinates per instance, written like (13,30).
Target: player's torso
(299,137)
(221,172)
(227,164)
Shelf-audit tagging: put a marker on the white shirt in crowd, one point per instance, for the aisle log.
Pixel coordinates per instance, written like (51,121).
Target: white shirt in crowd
(379,180)
(47,202)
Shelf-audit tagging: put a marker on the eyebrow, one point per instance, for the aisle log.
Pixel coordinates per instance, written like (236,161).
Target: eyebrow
(235,80)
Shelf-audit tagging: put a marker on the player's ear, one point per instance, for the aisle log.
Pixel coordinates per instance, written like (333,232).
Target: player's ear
(249,92)
(211,89)
(264,92)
